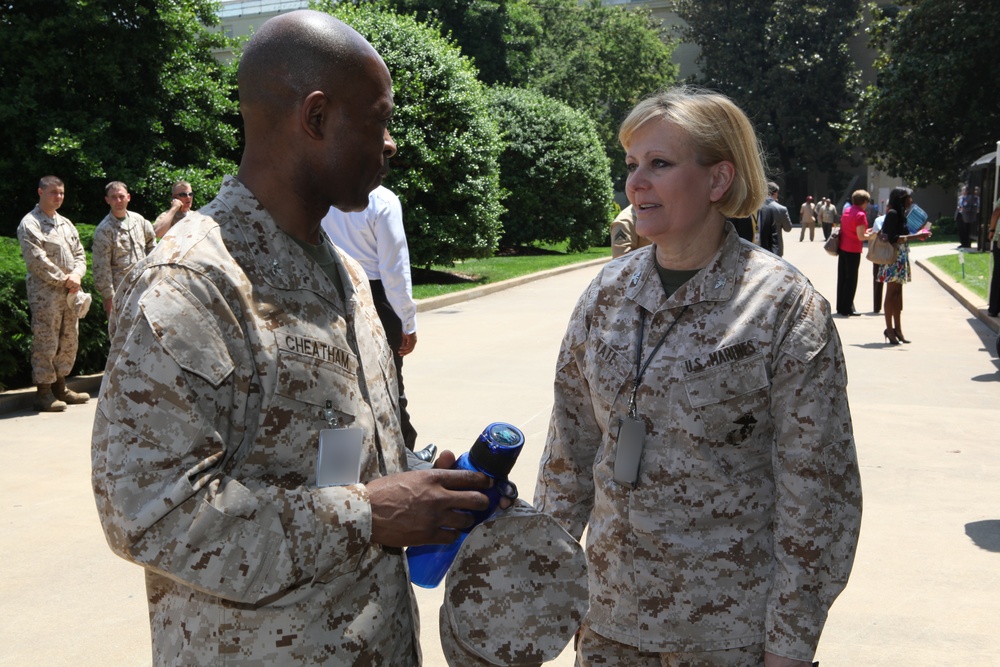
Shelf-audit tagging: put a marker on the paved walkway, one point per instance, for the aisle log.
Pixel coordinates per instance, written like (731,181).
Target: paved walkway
(925,588)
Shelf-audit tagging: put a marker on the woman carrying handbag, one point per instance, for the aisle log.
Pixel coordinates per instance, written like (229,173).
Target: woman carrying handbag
(853,225)
(896,274)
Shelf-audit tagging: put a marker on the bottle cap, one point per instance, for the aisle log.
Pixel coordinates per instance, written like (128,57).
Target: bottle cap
(495,451)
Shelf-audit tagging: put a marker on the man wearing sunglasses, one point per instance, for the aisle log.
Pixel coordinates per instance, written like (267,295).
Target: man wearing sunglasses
(181,199)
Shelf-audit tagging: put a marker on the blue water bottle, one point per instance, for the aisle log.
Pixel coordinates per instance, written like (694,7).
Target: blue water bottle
(492,454)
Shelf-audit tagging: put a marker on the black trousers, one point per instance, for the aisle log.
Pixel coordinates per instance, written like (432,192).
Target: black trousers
(394,334)
(847,280)
(877,287)
(827,230)
(994,303)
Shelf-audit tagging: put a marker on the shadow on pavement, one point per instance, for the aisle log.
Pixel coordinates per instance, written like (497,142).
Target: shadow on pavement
(986,534)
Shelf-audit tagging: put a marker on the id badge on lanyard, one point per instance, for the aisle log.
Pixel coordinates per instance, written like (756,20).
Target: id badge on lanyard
(632,429)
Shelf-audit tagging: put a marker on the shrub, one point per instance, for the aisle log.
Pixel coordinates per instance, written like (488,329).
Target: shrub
(15,318)
(945,225)
(445,173)
(555,170)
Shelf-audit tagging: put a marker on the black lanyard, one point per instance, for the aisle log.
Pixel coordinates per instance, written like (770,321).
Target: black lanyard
(640,368)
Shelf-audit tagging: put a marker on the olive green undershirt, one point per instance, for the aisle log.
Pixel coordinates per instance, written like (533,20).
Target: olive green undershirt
(324,255)
(674,280)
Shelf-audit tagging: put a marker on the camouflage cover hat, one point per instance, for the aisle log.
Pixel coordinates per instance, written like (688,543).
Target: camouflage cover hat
(516,593)
(79,301)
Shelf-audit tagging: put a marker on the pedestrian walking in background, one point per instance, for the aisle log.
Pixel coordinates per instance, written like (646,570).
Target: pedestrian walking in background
(772,221)
(993,308)
(897,274)
(853,229)
(827,214)
(807,218)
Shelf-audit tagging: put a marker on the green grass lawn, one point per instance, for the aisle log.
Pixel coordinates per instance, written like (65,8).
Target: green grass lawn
(470,273)
(977,265)
(977,270)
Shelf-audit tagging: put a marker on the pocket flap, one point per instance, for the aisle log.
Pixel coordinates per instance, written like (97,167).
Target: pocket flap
(187,332)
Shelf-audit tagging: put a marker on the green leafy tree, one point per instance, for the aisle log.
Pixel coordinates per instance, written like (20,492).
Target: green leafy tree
(500,36)
(787,64)
(598,59)
(102,90)
(936,106)
(602,60)
(445,172)
(555,171)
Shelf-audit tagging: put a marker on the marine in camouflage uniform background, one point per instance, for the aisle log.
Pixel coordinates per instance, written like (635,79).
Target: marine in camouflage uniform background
(53,253)
(743,524)
(118,244)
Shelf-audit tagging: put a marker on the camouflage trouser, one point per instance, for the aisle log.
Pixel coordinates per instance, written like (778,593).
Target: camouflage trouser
(55,328)
(593,650)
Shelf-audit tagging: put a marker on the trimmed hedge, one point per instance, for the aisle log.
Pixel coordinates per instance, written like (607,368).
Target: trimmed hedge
(15,318)
(555,170)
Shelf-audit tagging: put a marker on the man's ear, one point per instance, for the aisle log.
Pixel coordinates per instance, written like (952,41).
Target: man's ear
(313,112)
(723,174)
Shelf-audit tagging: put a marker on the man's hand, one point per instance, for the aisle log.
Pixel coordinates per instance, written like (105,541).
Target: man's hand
(409,342)
(72,283)
(772,660)
(417,507)
(175,204)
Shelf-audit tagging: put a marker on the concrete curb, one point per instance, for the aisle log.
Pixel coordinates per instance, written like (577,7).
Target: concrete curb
(972,302)
(435,302)
(20,399)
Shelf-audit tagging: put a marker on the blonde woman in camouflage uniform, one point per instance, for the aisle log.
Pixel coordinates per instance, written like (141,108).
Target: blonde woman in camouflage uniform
(701,427)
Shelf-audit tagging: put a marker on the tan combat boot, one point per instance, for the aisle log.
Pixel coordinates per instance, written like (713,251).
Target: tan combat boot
(68,395)
(45,400)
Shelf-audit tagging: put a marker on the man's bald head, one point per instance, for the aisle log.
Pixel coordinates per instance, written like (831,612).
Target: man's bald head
(295,54)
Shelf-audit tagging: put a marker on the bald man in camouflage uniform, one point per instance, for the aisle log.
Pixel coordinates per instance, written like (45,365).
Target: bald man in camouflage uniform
(56,264)
(121,239)
(242,337)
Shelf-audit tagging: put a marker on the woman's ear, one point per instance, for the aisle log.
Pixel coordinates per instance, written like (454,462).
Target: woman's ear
(723,174)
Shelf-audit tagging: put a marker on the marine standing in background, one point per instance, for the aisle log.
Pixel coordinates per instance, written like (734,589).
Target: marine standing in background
(623,235)
(121,239)
(182,198)
(56,264)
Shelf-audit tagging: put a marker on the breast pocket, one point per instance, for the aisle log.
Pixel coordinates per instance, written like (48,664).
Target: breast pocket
(731,405)
(329,390)
(608,370)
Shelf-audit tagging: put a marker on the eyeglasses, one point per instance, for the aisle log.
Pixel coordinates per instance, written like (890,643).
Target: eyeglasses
(184,194)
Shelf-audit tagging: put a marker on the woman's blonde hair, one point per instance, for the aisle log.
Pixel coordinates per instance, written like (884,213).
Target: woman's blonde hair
(719,131)
(860,197)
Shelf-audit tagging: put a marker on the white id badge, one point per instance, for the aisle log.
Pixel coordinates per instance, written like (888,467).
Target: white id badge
(631,433)
(338,461)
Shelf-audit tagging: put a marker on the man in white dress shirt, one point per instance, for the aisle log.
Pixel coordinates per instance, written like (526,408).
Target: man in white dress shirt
(376,239)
